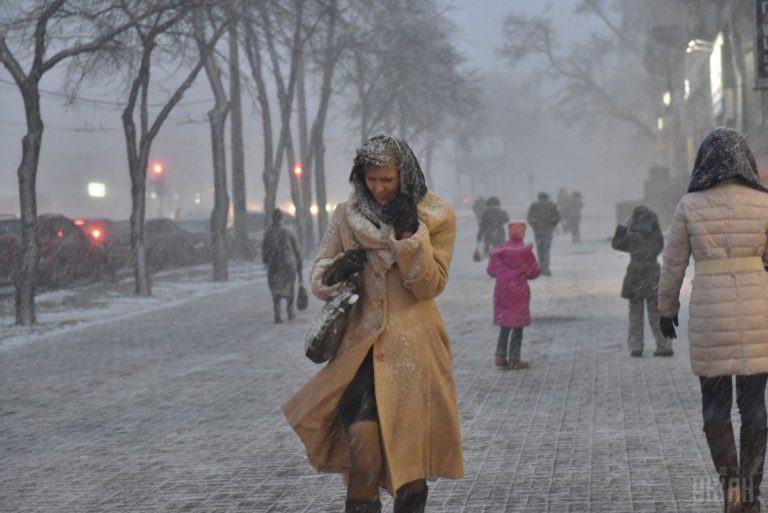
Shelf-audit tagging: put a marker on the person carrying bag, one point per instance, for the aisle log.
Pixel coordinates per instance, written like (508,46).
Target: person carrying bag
(398,238)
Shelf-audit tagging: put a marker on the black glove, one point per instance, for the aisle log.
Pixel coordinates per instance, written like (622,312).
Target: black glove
(350,263)
(667,326)
(402,214)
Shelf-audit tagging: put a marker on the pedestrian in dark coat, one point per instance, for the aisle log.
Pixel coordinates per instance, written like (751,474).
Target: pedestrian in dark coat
(492,225)
(512,264)
(641,237)
(478,208)
(563,201)
(280,252)
(574,216)
(543,216)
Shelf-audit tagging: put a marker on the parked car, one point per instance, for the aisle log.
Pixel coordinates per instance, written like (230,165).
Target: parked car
(167,245)
(66,252)
(98,230)
(10,248)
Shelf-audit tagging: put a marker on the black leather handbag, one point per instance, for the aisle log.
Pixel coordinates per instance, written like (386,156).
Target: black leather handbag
(327,330)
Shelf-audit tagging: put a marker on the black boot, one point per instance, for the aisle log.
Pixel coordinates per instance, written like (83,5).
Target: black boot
(722,446)
(752,456)
(362,506)
(411,502)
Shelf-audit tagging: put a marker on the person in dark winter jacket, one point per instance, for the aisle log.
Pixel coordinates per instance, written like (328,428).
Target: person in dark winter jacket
(574,216)
(512,264)
(543,217)
(280,252)
(641,237)
(478,208)
(492,223)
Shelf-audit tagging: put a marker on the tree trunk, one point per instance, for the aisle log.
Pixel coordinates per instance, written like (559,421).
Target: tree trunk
(317,142)
(295,190)
(305,181)
(268,175)
(27,177)
(217,117)
(138,159)
(241,248)
(322,197)
(142,284)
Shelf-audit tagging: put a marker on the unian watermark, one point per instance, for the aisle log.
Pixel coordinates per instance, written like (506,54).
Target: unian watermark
(714,489)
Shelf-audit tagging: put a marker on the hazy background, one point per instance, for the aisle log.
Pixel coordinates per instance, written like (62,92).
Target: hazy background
(84,141)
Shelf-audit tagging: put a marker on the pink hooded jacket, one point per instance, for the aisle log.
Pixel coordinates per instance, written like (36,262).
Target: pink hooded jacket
(512,264)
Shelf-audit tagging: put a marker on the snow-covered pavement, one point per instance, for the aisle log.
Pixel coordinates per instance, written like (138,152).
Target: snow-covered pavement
(176,407)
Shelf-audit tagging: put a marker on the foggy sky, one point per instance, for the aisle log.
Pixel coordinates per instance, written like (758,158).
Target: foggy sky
(71,156)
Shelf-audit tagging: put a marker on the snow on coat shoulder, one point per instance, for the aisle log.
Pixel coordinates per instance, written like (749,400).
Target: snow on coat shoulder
(512,264)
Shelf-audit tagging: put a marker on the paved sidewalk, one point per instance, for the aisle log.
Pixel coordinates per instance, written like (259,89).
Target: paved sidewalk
(178,409)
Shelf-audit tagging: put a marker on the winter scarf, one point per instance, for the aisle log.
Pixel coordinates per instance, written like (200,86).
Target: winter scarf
(724,155)
(383,150)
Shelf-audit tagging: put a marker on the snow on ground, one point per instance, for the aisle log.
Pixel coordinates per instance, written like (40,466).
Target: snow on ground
(179,410)
(109,300)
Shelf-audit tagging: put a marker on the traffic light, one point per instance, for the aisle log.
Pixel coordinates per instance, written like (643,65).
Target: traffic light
(157,179)
(298,171)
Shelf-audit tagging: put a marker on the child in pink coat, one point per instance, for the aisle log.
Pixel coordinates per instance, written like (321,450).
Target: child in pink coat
(512,264)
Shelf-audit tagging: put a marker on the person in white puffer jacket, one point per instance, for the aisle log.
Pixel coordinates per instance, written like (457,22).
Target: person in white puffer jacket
(723,223)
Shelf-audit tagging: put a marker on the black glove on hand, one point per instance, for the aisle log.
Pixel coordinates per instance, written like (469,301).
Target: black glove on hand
(350,263)
(667,326)
(402,214)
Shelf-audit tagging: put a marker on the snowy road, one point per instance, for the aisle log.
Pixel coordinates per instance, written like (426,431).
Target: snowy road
(177,409)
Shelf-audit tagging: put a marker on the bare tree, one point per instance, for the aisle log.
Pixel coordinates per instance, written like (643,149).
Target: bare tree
(217,117)
(332,43)
(585,87)
(241,248)
(260,32)
(139,141)
(407,74)
(39,33)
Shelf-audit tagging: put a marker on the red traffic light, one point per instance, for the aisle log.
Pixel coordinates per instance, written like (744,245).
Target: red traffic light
(297,170)
(158,169)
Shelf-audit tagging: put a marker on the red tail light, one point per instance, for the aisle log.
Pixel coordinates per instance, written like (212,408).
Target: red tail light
(97,234)
(60,234)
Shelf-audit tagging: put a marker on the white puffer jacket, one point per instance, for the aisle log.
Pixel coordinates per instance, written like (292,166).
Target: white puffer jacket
(728,324)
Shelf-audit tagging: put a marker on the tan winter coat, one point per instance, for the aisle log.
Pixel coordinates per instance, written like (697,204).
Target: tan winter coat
(398,318)
(728,321)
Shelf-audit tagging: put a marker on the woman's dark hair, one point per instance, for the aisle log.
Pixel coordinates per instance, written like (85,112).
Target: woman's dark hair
(493,201)
(277,216)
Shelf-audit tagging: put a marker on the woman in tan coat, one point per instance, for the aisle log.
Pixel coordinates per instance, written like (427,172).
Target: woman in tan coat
(383,410)
(723,223)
